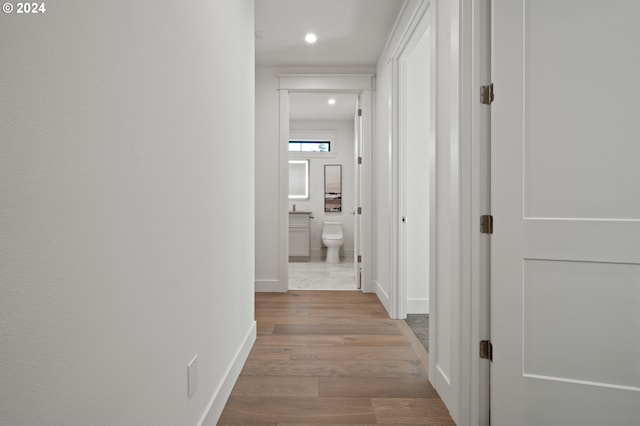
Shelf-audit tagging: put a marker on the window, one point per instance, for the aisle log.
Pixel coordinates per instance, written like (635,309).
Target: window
(305,144)
(310,146)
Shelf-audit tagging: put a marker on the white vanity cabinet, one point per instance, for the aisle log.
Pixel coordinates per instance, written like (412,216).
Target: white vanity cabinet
(299,236)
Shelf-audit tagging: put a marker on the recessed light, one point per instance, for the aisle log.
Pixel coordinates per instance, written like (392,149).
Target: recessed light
(331,101)
(310,38)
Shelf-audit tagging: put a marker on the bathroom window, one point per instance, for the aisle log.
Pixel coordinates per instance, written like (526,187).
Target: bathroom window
(309,146)
(305,144)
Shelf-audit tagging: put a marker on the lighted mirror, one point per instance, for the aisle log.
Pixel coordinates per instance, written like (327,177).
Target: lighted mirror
(298,179)
(332,188)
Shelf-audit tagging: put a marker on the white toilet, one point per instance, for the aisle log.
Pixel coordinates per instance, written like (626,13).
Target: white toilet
(332,238)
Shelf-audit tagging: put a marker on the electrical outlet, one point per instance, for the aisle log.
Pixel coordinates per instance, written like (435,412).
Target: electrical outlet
(192,376)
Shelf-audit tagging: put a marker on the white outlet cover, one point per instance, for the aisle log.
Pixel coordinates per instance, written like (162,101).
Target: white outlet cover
(192,376)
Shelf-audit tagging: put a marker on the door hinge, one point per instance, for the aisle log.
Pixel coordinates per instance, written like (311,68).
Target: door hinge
(486,224)
(359,210)
(359,258)
(359,112)
(486,350)
(359,160)
(486,94)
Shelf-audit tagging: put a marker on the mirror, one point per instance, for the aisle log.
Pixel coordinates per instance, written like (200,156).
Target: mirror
(298,179)
(332,188)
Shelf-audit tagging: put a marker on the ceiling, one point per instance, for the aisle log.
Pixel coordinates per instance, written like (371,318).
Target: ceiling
(351,33)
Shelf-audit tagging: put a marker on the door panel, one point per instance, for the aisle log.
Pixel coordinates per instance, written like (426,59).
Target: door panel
(581,94)
(566,204)
(596,292)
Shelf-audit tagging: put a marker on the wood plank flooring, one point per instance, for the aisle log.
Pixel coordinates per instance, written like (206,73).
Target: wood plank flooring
(332,357)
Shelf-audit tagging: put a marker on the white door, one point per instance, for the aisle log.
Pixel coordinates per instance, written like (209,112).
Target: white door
(565,321)
(357,270)
(415,173)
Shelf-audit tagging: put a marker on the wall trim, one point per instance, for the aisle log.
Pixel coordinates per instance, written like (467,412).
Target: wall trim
(270,286)
(418,306)
(351,82)
(214,409)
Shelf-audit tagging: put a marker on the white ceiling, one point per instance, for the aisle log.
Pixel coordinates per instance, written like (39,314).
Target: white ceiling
(350,32)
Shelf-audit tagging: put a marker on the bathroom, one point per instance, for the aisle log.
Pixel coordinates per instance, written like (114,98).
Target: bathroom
(322,136)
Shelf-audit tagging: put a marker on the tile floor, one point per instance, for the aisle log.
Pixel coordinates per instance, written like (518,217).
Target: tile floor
(319,275)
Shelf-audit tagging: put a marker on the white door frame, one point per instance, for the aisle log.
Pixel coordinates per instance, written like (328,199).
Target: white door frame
(420,23)
(475,122)
(361,84)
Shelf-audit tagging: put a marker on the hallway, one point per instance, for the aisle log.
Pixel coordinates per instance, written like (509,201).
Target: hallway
(332,357)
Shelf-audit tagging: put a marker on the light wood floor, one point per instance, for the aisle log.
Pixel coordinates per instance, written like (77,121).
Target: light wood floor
(332,357)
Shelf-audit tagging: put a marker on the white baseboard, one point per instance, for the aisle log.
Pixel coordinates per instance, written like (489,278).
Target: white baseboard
(418,306)
(383,296)
(214,409)
(270,286)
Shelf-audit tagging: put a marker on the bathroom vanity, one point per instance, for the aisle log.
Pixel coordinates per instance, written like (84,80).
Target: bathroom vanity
(299,236)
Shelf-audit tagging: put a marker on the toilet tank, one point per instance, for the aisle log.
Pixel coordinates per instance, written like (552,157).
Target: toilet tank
(332,229)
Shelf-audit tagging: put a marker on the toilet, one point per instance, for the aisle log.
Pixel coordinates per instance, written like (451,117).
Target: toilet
(332,238)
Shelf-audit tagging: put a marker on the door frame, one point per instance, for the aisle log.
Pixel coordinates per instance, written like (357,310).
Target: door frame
(476,125)
(362,85)
(474,120)
(421,21)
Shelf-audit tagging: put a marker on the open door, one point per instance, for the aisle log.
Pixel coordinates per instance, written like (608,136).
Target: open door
(566,204)
(357,209)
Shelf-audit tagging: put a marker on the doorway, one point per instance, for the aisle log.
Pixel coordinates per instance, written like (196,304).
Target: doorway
(322,136)
(416,150)
(359,86)
(414,169)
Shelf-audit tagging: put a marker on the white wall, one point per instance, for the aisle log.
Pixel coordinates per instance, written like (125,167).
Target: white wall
(124,250)
(268,251)
(344,149)
(272,214)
